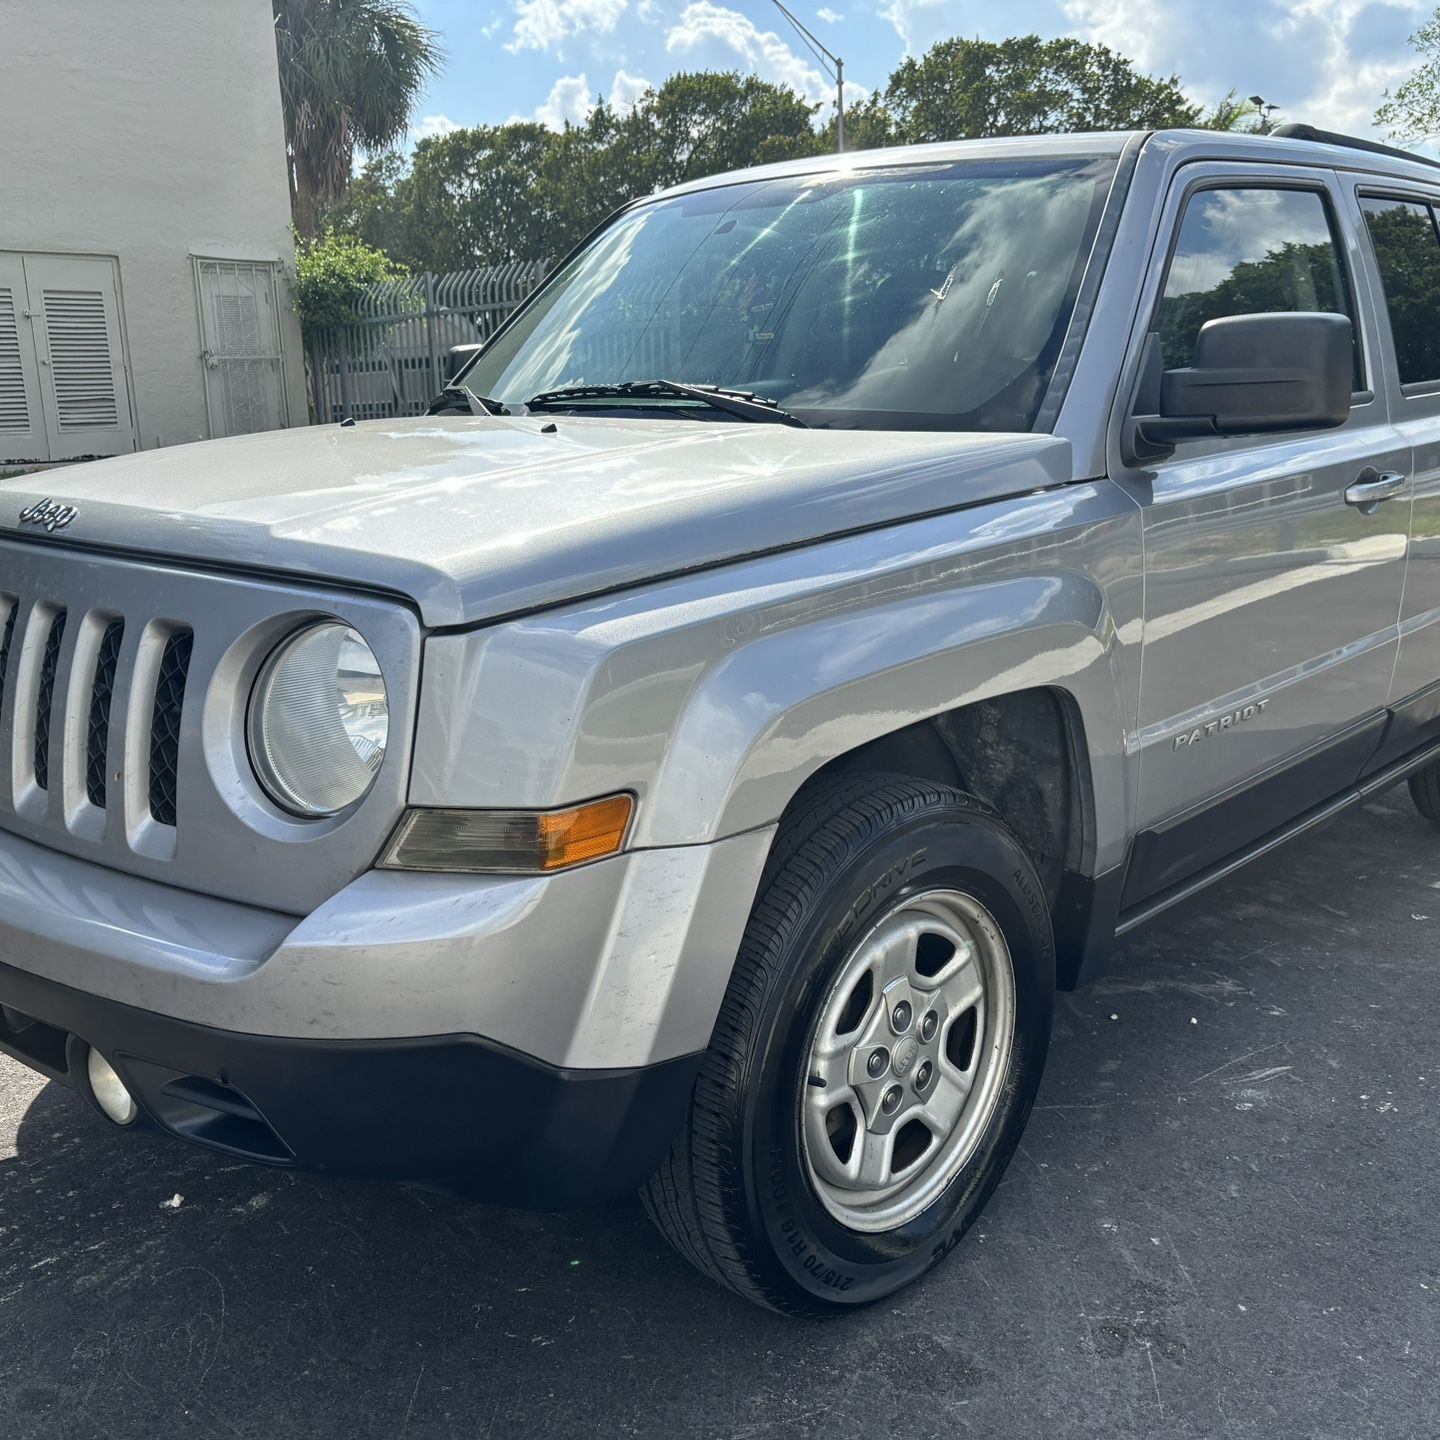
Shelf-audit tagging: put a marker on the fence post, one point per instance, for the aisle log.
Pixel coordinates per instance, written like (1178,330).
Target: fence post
(437,380)
(345,411)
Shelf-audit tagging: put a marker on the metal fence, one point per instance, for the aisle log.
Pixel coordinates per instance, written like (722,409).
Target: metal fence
(391,360)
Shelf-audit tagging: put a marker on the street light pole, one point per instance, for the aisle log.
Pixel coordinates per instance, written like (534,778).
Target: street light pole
(830,63)
(1265,110)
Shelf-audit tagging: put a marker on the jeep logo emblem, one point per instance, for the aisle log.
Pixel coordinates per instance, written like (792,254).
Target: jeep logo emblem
(49,513)
(905,1053)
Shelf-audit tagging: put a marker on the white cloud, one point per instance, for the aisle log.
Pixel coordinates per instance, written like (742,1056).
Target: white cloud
(1347,88)
(829,16)
(1308,55)
(570,98)
(1136,29)
(703,24)
(431,126)
(901,14)
(544,24)
(627,90)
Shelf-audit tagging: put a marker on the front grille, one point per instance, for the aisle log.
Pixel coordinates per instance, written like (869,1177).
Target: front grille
(97,734)
(165,726)
(103,756)
(44,699)
(72,642)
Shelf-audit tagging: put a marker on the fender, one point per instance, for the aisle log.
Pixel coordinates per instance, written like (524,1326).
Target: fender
(715,696)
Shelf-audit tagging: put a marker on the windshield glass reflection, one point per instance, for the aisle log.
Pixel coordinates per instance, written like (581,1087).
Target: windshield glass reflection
(932,298)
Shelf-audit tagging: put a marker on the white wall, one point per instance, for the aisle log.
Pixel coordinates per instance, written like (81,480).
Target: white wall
(150,130)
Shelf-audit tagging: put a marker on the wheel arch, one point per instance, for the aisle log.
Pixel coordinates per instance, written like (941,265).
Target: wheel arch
(960,687)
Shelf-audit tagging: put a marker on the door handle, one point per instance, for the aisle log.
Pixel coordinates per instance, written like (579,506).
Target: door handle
(1375,487)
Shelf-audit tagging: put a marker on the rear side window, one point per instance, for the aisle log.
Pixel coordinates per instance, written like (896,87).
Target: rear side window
(1408,255)
(1248,251)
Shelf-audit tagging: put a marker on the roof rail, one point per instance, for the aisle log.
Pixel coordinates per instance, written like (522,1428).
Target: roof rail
(1350,142)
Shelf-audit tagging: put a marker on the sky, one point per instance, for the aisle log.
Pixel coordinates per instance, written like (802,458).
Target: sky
(1326,62)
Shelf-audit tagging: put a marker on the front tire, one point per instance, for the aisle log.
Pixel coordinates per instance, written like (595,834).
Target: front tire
(845,1132)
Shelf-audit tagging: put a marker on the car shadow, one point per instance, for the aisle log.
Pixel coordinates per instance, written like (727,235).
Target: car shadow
(1198,1146)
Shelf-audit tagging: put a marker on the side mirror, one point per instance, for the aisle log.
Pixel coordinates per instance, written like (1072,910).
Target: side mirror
(457,357)
(1251,375)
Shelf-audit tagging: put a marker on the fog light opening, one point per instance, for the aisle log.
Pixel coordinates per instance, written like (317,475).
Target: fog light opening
(109,1090)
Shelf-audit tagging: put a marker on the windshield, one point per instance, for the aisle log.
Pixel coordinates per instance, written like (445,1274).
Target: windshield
(911,298)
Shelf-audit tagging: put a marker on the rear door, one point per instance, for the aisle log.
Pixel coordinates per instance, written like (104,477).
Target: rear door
(1399,223)
(1271,604)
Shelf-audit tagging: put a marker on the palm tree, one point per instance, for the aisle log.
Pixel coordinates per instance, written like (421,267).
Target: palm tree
(350,74)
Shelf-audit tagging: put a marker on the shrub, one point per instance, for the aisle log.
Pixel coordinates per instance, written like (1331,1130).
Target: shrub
(332,272)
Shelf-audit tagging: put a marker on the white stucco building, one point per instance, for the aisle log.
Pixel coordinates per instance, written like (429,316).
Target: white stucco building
(144,227)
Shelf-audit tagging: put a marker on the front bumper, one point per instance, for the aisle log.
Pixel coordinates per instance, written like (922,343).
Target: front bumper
(528,1039)
(454,1111)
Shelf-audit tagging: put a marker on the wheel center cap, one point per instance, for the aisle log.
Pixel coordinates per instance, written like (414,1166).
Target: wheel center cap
(905,1053)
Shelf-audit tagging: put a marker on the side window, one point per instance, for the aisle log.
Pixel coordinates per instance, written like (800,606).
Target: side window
(1408,254)
(1246,251)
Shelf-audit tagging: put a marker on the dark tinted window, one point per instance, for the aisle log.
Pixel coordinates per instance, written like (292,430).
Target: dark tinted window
(1247,252)
(915,298)
(1408,254)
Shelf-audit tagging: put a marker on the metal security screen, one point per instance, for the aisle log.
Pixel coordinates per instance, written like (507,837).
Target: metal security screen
(240,324)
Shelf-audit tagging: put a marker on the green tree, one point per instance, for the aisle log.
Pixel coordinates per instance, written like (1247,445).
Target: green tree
(587,173)
(470,197)
(495,193)
(710,121)
(968,89)
(350,74)
(1232,115)
(1413,111)
(371,206)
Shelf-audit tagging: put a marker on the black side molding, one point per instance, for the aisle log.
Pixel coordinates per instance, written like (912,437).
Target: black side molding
(1348,799)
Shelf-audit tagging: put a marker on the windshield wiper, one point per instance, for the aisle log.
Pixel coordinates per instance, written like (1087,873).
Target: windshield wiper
(476,404)
(739,403)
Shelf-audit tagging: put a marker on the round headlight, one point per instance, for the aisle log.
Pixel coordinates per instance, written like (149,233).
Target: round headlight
(319,719)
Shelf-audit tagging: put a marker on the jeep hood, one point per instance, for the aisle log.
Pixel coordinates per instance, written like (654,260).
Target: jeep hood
(471,518)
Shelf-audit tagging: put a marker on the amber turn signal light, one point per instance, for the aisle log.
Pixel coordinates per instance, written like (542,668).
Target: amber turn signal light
(514,842)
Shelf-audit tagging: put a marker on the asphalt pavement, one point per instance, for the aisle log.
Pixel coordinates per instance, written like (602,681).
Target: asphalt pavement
(1223,1221)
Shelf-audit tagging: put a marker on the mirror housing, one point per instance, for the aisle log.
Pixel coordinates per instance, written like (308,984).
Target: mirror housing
(1251,375)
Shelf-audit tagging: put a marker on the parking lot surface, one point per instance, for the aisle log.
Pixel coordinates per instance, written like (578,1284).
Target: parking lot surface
(1223,1222)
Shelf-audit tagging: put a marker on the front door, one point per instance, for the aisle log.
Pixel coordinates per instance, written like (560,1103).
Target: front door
(1271,602)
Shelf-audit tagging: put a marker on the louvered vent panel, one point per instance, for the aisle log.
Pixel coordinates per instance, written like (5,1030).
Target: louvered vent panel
(80,362)
(14,412)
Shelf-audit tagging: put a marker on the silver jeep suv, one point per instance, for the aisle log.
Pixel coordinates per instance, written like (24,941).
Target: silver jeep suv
(843,599)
